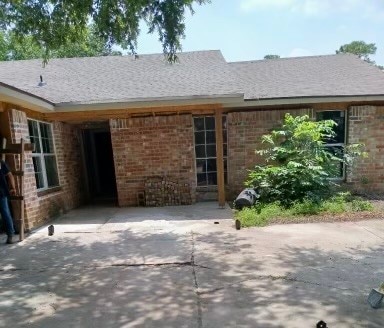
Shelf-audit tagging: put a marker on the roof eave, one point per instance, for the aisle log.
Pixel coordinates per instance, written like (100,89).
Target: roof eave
(305,100)
(149,102)
(21,98)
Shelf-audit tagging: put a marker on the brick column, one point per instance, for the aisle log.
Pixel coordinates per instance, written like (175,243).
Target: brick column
(19,129)
(365,125)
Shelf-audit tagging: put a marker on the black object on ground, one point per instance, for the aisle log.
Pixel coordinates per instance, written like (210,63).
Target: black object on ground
(321,324)
(376,297)
(238,224)
(216,222)
(51,230)
(246,198)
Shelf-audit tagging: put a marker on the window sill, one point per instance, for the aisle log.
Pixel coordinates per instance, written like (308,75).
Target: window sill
(48,191)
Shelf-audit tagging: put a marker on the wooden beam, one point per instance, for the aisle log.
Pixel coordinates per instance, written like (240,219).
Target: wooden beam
(220,156)
(99,115)
(22,166)
(17,148)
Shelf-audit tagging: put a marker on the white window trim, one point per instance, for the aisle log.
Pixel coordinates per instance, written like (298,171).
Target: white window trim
(42,155)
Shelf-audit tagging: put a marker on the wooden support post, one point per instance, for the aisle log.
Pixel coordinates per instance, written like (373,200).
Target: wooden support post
(22,165)
(219,156)
(4,144)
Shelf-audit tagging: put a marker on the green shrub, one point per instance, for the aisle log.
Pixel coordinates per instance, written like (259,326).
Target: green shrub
(307,207)
(360,205)
(334,207)
(261,214)
(299,166)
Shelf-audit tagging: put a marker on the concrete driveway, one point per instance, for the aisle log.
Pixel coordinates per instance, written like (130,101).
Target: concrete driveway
(174,267)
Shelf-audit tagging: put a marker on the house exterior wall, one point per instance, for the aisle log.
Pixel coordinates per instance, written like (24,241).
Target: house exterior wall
(146,147)
(163,146)
(41,206)
(245,130)
(366,126)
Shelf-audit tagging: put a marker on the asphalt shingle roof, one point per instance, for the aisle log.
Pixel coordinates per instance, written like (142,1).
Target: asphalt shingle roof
(198,74)
(123,78)
(317,76)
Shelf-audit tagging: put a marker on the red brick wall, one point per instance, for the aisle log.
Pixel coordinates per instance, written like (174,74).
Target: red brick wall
(366,125)
(39,209)
(244,137)
(144,147)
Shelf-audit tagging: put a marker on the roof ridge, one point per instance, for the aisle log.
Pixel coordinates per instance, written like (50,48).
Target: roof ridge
(289,58)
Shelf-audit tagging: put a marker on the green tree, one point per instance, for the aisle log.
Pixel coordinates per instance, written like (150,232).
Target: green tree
(15,47)
(56,23)
(3,46)
(271,57)
(299,166)
(359,48)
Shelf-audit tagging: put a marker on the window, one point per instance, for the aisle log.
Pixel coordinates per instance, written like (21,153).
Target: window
(44,158)
(335,145)
(205,150)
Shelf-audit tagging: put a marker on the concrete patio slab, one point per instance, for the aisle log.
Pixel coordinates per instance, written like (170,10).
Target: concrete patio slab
(99,297)
(145,267)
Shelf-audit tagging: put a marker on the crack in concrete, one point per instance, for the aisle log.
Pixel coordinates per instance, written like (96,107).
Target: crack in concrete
(111,265)
(198,298)
(188,263)
(270,277)
(371,232)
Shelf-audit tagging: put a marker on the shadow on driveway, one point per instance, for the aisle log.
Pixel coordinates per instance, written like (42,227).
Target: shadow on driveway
(126,273)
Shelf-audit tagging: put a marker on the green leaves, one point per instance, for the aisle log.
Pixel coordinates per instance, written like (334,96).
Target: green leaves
(52,24)
(15,47)
(359,48)
(300,166)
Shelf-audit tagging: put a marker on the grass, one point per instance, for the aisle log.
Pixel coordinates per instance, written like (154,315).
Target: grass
(264,214)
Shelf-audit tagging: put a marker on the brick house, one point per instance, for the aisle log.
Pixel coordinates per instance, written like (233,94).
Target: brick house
(142,130)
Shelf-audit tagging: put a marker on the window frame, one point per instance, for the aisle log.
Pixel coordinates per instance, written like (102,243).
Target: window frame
(206,158)
(338,144)
(41,155)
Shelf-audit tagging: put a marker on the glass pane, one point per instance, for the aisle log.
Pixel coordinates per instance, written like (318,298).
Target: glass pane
(212,179)
(339,118)
(38,172)
(337,167)
(51,170)
(46,138)
(201,166)
(211,165)
(225,136)
(199,138)
(225,150)
(200,151)
(225,165)
(211,138)
(224,122)
(199,123)
(201,179)
(34,135)
(209,123)
(211,151)
(225,178)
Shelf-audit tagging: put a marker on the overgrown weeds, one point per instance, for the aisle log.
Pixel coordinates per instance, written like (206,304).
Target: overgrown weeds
(263,214)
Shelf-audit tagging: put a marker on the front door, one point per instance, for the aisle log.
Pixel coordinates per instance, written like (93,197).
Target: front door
(99,165)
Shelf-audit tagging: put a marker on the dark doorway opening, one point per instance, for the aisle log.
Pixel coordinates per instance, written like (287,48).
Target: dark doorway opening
(99,165)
